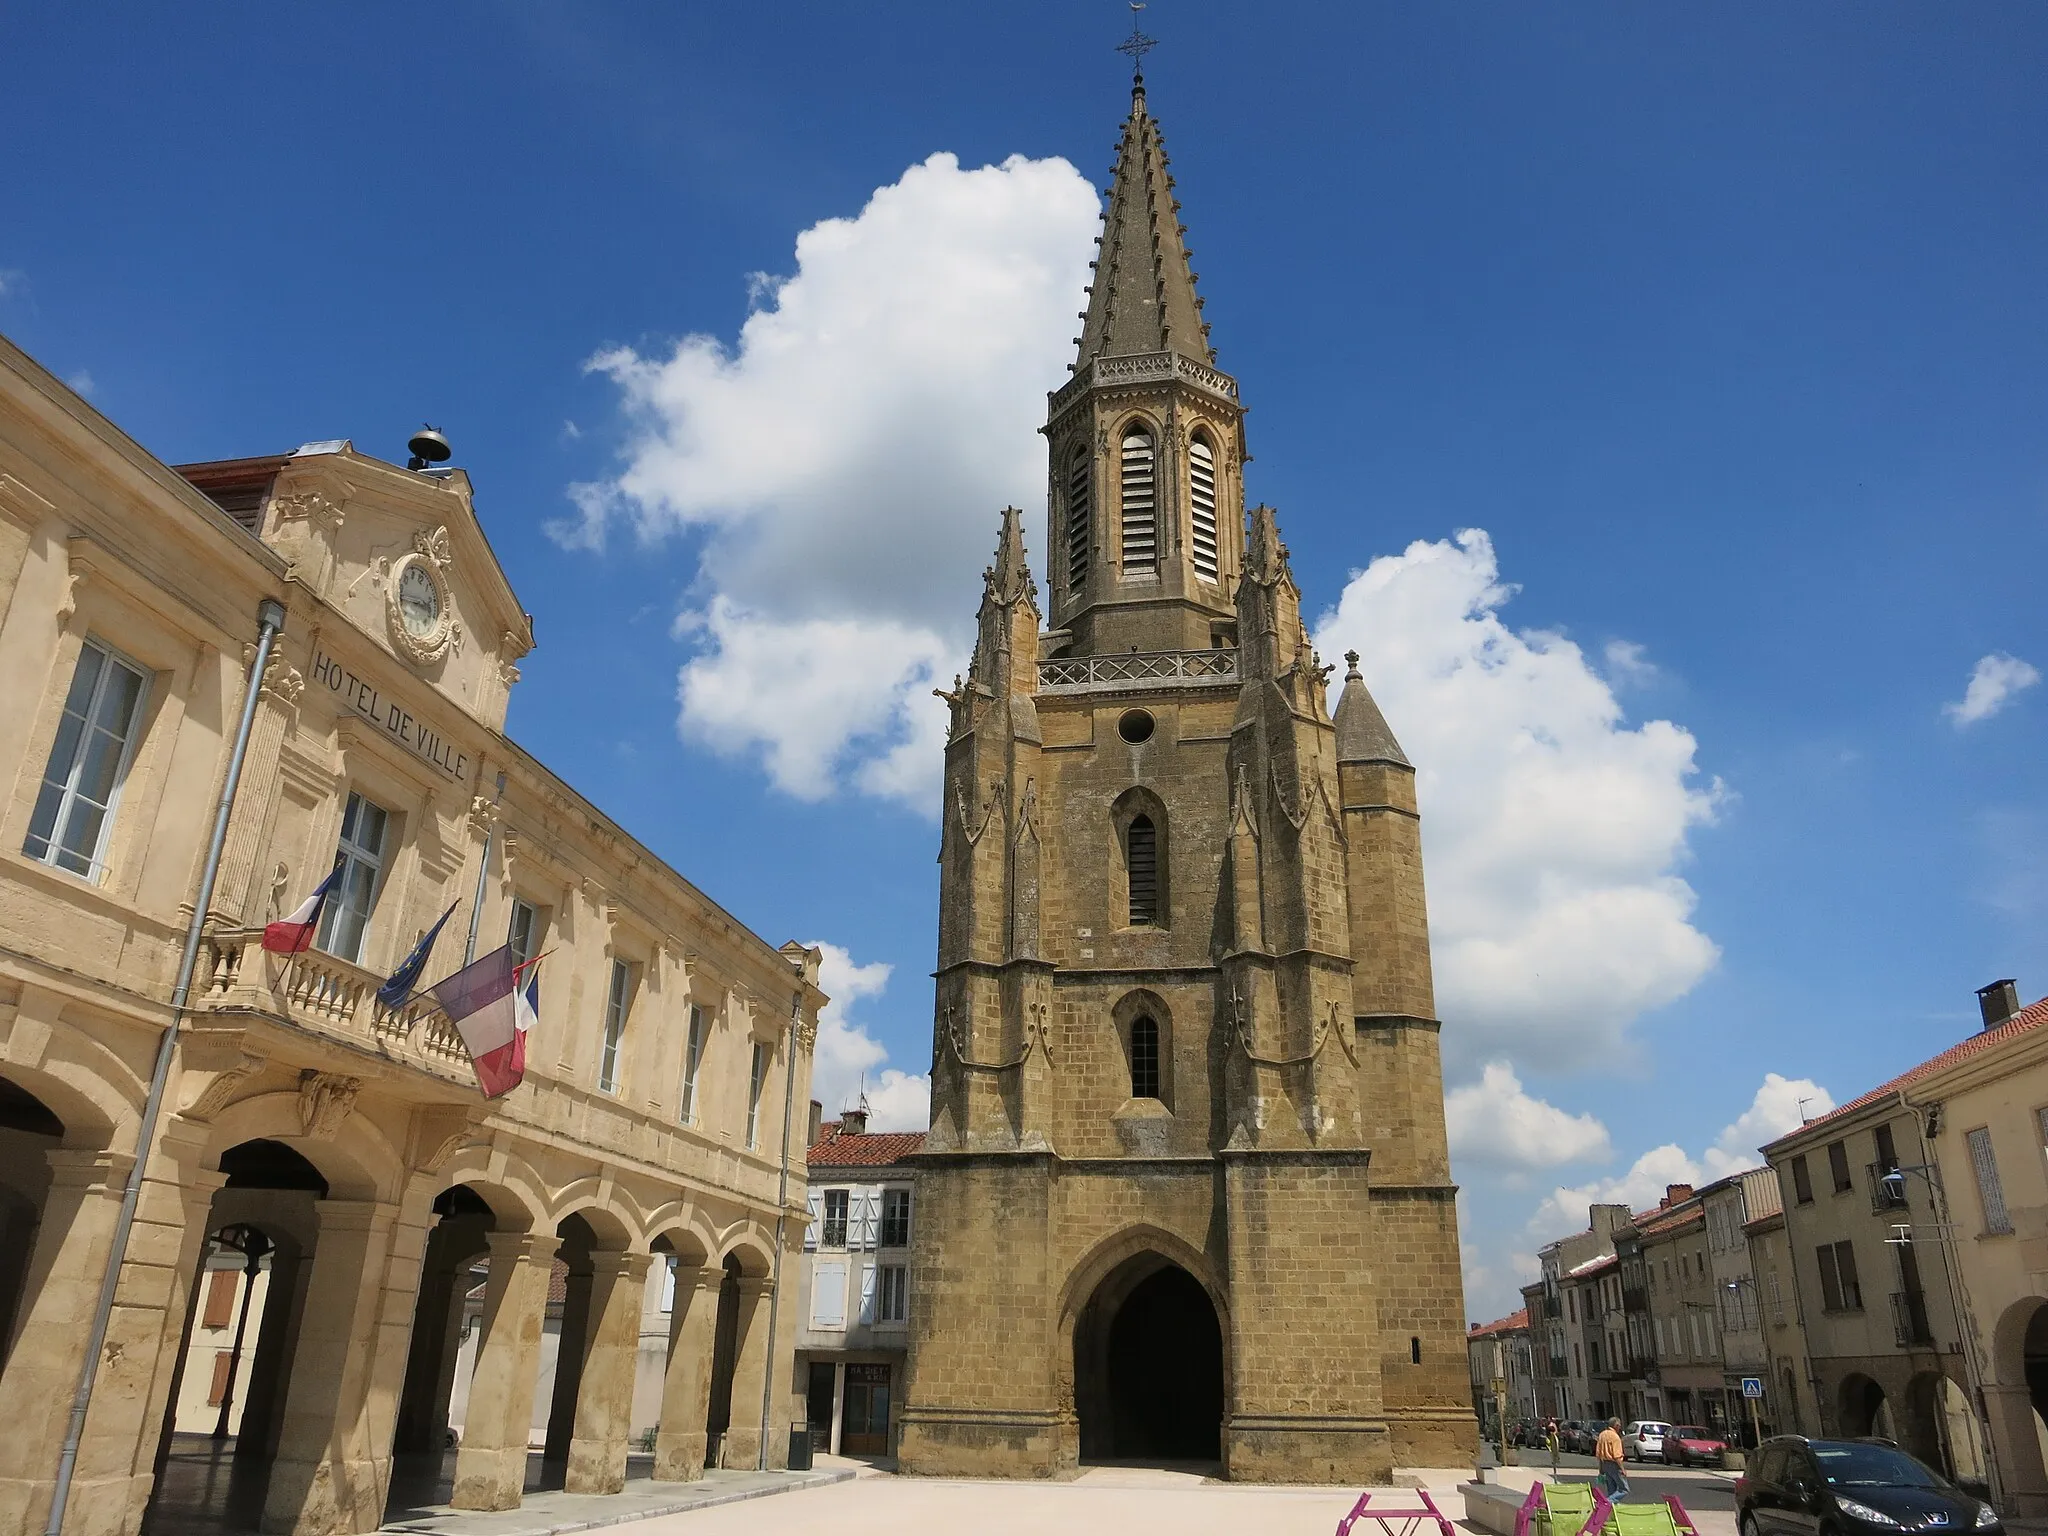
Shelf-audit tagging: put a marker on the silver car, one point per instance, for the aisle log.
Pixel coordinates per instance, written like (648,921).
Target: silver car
(1644,1440)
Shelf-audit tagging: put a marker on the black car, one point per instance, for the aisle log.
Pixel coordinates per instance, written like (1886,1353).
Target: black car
(1799,1487)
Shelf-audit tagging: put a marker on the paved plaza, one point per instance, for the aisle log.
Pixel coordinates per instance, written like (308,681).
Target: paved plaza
(1115,1501)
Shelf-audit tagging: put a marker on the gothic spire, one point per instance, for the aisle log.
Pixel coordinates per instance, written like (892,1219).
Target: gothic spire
(1143,296)
(1363,735)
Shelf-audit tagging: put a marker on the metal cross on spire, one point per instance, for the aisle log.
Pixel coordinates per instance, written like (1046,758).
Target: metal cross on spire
(1137,45)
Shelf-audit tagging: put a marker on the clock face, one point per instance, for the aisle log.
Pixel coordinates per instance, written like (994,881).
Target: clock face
(419,601)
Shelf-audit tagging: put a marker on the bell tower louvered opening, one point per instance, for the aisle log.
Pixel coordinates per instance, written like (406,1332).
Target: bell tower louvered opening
(1140,503)
(1141,858)
(1202,503)
(1078,498)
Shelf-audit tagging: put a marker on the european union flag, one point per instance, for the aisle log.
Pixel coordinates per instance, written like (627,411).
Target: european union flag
(398,987)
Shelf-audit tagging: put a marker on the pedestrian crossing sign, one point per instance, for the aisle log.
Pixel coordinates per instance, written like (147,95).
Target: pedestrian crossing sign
(1752,1387)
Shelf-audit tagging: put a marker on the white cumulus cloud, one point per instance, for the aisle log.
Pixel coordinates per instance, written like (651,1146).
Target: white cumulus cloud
(1993,683)
(846,462)
(1772,1112)
(1496,1122)
(849,1060)
(1553,830)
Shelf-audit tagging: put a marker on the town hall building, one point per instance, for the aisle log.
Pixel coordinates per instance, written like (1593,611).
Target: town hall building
(1185,1193)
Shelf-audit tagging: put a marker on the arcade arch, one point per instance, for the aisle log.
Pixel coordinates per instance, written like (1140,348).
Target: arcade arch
(1148,1361)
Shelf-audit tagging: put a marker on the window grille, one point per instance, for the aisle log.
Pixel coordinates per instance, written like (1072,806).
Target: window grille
(693,1061)
(1202,503)
(1989,1190)
(347,913)
(1142,861)
(757,1078)
(836,1203)
(1144,1059)
(1140,503)
(617,1004)
(1078,498)
(88,762)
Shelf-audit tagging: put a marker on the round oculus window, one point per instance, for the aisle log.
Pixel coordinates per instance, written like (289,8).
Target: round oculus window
(1135,726)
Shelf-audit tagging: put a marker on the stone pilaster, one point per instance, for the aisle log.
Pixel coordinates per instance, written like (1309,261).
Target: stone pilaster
(743,1435)
(604,1398)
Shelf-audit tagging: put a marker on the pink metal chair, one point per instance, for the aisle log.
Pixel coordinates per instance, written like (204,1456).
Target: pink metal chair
(1390,1519)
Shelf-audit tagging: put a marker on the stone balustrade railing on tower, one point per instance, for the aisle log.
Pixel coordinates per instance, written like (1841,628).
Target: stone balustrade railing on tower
(1074,674)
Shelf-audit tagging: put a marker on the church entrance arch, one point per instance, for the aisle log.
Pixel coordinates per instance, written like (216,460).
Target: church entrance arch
(1148,1366)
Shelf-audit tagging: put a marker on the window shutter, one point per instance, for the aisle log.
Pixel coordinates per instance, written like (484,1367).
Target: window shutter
(1830,1279)
(220,1299)
(828,1296)
(867,1293)
(1078,477)
(865,1224)
(1140,509)
(817,1200)
(1202,503)
(223,1364)
(1989,1190)
(1845,1265)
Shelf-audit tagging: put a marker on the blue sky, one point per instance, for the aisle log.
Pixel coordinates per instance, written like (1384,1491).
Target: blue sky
(1726,326)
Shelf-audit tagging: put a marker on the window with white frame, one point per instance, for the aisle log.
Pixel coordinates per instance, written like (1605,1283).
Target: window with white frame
(88,761)
(618,1005)
(693,1061)
(895,1218)
(1990,1193)
(891,1302)
(757,1079)
(834,1234)
(529,927)
(365,826)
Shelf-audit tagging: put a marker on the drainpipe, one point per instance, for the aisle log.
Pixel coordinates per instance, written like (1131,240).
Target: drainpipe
(796,1008)
(270,616)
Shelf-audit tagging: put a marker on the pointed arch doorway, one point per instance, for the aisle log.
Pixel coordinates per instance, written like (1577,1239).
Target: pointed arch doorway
(1148,1366)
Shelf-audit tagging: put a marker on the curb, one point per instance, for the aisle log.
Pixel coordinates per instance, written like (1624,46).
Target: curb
(435,1525)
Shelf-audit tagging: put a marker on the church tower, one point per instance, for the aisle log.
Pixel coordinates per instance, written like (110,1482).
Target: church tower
(1186,1193)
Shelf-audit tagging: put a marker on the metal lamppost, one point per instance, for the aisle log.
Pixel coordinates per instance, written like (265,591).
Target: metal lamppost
(252,1245)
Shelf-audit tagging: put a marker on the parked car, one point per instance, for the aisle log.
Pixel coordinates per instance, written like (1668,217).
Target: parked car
(1644,1440)
(1794,1486)
(1688,1445)
(1579,1435)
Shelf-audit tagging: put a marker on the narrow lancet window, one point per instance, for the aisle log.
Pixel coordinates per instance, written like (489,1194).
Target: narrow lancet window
(1141,858)
(1077,519)
(1140,503)
(1202,503)
(1144,1058)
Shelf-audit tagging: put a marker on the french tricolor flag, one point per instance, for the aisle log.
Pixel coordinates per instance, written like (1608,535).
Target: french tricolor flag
(295,933)
(493,1003)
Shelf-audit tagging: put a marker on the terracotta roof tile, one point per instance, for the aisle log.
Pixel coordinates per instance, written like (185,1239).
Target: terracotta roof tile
(1508,1324)
(2029,1018)
(866,1149)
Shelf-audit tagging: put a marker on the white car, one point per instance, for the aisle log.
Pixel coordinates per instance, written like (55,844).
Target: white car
(1644,1440)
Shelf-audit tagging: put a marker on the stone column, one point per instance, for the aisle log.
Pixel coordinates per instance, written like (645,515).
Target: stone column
(437,1325)
(749,1372)
(611,1350)
(2017,1447)
(686,1386)
(571,1344)
(490,1469)
(276,1338)
(329,1476)
(56,1313)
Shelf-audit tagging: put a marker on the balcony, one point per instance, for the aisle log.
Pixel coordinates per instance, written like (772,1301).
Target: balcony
(1635,1298)
(1909,1319)
(1143,368)
(1215,667)
(1553,1306)
(1886,1195)
(326,996)
(1559,1366)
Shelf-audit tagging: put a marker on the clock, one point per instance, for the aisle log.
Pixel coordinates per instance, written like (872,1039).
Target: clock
(416,606)
(419,601)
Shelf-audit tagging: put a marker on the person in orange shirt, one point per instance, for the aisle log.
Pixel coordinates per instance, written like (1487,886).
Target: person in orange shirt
(1608,1452)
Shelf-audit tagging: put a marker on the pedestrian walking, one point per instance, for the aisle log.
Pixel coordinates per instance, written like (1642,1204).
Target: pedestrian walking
(1550,1439)
(1608,1452)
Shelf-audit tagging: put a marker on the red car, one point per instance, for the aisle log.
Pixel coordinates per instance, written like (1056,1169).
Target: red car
(1688,1445)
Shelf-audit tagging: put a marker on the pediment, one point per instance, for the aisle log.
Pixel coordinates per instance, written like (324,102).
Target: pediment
(403,557)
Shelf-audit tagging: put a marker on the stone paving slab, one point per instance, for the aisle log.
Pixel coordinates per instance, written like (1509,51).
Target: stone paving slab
(553,1513)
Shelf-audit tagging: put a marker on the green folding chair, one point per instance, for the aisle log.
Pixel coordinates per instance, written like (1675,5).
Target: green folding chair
(1653,1519)
(1567,1510)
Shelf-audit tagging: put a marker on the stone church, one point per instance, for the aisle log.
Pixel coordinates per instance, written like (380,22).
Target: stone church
(1186,1193)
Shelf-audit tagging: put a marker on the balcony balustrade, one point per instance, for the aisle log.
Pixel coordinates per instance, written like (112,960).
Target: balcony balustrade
(1078,674)
(1909,1319)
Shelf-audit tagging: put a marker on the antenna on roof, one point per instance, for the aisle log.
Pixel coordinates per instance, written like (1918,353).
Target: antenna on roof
(1804,1118)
